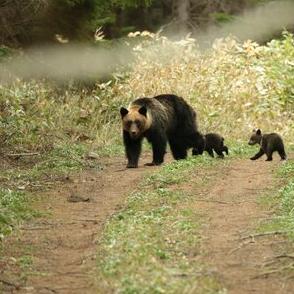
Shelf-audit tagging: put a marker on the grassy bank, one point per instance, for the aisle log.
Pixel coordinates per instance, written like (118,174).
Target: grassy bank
(22,177)
(285,219)
(233,87)
(283,203)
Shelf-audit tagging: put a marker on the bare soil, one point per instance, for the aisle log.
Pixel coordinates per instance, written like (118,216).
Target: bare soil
(243,262)
(64,242)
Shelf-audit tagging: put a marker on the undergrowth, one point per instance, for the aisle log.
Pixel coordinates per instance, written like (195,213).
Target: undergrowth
(283,220)
(23,176)
(29,172)
(14,207)
(149,246)
(233,86)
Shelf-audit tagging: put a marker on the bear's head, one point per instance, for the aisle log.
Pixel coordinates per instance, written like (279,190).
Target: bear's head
(135,120)
(255,138)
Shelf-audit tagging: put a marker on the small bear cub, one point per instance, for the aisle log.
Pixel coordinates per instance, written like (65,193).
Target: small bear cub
(269,143)
(213,142)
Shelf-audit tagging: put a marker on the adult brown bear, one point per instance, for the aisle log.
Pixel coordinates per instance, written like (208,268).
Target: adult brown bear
(161,119)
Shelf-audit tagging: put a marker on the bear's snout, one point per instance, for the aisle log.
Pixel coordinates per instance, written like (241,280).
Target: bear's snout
(134,134)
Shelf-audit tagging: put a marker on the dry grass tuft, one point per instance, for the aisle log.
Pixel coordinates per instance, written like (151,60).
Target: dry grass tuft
(233,86)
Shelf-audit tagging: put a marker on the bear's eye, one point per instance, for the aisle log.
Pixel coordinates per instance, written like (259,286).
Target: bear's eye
(129,123)
(138,123)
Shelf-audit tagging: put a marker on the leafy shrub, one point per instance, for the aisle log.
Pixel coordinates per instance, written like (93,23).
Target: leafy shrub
(233,86)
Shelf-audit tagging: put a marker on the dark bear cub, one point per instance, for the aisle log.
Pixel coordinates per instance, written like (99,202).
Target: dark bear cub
(269,143)
(213,142)
(161,119)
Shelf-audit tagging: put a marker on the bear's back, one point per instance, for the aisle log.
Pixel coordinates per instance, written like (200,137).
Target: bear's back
(214,139)
(273,141)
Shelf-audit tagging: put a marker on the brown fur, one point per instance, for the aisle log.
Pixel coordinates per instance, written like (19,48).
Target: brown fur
(213,142)
(161,119)
(269,143)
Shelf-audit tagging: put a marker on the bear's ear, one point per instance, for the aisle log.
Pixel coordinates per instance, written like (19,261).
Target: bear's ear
(258,132)
(123,112)
(143,110)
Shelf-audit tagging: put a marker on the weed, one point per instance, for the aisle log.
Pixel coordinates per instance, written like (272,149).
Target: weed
(14,207)
(234,87)
(15,198)
(25,262)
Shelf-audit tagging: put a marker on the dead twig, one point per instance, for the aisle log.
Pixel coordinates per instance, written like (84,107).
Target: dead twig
(265,234)
(284,256)
(8,283)
(22,154)
(240,246)
(35,228)
(216,201)
(95,221)
(274,271)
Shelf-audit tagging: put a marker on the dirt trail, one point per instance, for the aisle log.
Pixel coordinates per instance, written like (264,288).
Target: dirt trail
(232,211)
(64,244)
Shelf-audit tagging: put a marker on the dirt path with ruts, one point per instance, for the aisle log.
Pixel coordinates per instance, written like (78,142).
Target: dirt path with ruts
(243,262)
(63,244)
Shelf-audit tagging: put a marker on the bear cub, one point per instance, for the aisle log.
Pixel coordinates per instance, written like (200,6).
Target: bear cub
(161,119)
(269,143)
(213,142)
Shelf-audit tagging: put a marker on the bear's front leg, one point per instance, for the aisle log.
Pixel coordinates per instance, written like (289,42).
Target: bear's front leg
(269,155)
(258,154)
(159,143)
(225,149)
(133,150)
(210,152)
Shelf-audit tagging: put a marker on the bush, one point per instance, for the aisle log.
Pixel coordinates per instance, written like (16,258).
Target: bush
(234,87)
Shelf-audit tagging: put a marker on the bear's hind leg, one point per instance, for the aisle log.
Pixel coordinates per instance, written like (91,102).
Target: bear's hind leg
(178,150)
(282,154)
(225,149)
(197,141)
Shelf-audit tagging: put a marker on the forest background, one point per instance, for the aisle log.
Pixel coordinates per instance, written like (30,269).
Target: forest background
(24,23)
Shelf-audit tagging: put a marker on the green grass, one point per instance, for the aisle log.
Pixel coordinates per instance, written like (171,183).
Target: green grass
(14,208)
(234,87)
(27,175)
(61,160)
(240,149)
(283,202)
(149,247)
(286,216)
